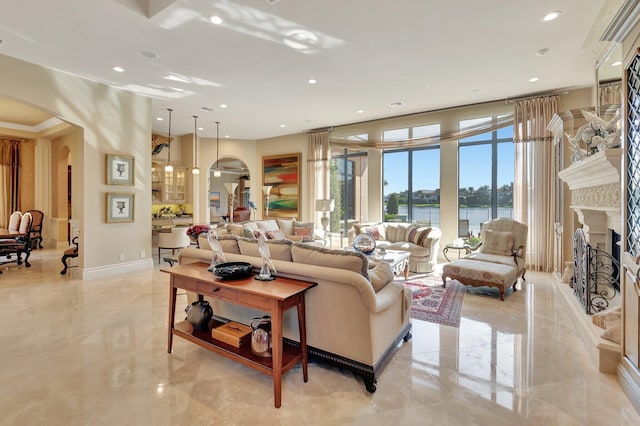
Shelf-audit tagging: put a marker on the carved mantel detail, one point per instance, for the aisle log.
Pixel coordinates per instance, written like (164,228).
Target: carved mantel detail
(595,186)
(601,196)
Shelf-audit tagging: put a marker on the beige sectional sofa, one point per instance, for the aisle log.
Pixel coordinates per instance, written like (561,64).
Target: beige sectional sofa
(422,242)
(355,316)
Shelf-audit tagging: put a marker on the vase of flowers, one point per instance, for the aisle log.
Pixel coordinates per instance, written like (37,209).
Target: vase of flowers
(194,231)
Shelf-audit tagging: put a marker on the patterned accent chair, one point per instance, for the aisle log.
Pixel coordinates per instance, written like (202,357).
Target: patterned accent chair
(19,245)
(499,260)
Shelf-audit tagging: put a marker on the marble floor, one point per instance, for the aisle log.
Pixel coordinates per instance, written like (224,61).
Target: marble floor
(93,352)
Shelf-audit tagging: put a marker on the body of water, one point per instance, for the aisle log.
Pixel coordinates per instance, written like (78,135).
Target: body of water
(475,215)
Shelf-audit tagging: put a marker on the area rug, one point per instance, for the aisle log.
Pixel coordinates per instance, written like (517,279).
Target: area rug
(433,303)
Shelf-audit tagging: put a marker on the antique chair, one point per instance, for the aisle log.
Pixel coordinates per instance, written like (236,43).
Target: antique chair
(498,261)
(36,228)
(19,245)
(176,239)
(70,253)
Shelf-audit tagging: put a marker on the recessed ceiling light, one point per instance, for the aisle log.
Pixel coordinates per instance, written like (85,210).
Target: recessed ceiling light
(542,51)
(223,105)
(215,19)
(283,125)
(551,16)
(206,109)
(150,55)
(226,136)
(117,68)
(159,118)
(360,111)
(533,79)
(312,81)
(616,64)
(200,128)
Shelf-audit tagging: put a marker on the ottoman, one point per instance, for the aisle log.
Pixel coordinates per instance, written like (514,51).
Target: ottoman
(478,273)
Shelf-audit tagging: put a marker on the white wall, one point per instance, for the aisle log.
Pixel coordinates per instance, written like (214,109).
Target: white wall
(113,121)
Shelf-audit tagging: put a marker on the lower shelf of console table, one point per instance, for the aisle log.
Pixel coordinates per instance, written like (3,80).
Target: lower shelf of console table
(273,297)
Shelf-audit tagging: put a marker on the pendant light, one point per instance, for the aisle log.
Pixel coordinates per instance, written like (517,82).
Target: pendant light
(195,170)
(169,168)
(217,172)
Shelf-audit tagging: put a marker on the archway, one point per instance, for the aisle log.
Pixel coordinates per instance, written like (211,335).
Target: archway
(232,170)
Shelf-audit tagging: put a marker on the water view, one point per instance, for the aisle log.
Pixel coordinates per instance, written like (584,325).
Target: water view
(475,215)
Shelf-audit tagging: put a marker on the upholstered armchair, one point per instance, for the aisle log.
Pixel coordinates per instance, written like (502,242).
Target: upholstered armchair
(499,260)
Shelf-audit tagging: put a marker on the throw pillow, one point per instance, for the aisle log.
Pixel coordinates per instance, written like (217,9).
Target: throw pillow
(304,232)
(303,229)
(250,229)
(286,225)
(392,232)
(235,229)
(267,225)
(498,242)
(371,230)
(380,275)
(418,235)
(276,235)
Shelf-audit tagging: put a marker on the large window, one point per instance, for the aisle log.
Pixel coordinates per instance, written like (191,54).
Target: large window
(485,171)
(411,178)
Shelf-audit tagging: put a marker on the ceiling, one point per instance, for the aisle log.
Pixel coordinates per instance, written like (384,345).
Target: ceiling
(365,55)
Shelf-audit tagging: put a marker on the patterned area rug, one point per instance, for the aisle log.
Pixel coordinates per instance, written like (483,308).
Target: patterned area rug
(433,303)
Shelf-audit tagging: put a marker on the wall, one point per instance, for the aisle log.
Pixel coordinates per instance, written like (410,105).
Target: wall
(113,121)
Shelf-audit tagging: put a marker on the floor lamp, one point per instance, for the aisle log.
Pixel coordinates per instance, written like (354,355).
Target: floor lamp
(266,191)
(231,189)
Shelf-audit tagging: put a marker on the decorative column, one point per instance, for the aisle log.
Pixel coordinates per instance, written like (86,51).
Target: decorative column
(231,189)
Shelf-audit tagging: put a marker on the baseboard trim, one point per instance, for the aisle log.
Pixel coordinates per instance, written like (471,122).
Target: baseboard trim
(628,378)
(118,268)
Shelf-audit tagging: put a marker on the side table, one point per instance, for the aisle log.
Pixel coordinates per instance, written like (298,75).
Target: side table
(459,248)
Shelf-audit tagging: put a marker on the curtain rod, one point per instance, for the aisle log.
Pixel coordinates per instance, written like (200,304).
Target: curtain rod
(541,95)
(11,138)
(320,129)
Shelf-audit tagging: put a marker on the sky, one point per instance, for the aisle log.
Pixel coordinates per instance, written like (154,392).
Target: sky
(475,162)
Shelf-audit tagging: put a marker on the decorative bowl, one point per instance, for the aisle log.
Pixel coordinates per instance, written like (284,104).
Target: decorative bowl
(364,243)
(233,270)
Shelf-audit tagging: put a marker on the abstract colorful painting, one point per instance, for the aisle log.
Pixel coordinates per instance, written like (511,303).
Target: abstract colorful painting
(282,173)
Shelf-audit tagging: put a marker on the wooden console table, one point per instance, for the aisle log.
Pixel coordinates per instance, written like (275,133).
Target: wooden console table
(273,297)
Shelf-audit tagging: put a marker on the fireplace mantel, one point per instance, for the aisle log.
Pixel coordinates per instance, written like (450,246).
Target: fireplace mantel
(595,190)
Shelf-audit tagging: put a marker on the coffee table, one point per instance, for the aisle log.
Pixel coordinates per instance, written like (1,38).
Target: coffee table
(398,259)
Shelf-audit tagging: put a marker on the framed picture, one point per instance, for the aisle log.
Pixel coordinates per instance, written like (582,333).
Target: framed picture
(214,199)
(120,169)
(282,173)
(120,207)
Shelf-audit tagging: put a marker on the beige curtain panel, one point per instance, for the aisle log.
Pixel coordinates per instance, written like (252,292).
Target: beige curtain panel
(318,170)
(531,117)
(9,179)
(533,198)
(610,93)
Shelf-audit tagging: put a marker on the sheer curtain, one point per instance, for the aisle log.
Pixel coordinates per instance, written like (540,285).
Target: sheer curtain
(318,170)
(534,176)
(9,183)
